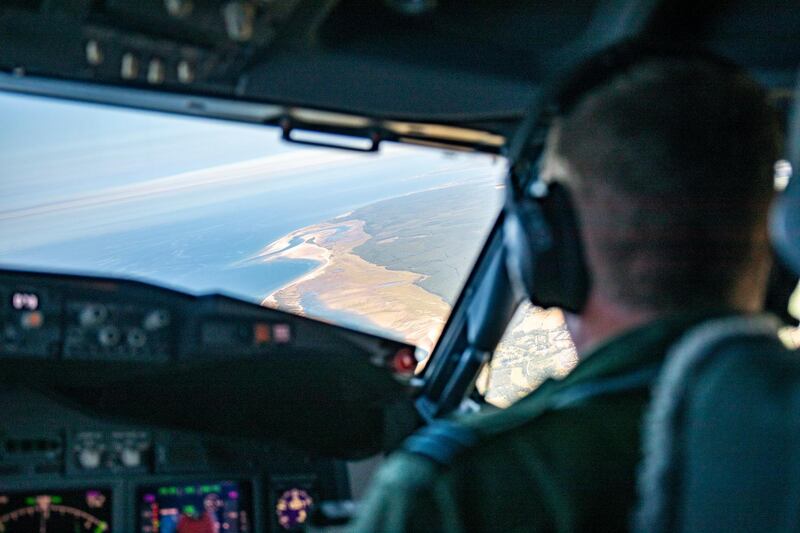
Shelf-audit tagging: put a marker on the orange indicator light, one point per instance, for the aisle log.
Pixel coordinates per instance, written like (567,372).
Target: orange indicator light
(32,320)
(261,333)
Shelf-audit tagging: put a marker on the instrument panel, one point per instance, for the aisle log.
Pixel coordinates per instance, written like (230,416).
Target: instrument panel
(86,509)
(131,407)
(105,320)
(126,321)
(62,470)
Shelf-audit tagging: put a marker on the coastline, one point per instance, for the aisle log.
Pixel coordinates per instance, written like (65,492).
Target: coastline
(380,300)
(307,249)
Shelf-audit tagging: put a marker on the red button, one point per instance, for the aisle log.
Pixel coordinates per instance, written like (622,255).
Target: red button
(261,333)
(404,362)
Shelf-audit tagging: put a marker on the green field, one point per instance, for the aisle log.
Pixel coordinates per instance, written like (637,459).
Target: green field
(437,233)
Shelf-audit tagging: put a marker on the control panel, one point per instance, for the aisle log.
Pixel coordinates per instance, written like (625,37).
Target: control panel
(22,312)
(81,323)
(131,407)
(116,331)
(111,451)
(61,470)
(151,43)
(92,319)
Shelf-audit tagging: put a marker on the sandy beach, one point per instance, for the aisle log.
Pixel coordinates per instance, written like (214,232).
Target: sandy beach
(389,300)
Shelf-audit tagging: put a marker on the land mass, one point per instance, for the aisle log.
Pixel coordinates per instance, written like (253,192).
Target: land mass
(352,291)
(392,268)
(438,233)
(395,267)
(536,346)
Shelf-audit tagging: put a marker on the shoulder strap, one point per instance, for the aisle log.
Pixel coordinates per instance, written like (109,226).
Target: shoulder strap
(443,440)
(638,379)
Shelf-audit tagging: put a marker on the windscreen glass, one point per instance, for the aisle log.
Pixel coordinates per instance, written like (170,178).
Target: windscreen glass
(536,346)
(378,242)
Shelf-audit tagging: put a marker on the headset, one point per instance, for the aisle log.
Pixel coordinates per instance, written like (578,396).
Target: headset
(544,251)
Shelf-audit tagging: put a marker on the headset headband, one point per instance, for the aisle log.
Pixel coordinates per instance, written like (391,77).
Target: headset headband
(615,60)
(564,92)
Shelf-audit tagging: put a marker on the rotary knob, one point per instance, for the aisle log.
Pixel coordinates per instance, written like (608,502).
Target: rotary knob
(130,457)
(155,320)
(89,458)
(136,338)
(93,315)
(108,336)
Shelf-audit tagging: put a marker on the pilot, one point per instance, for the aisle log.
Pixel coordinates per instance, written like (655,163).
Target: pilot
(668,163)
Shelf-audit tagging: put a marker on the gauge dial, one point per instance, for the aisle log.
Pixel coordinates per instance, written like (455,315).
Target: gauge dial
(54,512)
(293,507)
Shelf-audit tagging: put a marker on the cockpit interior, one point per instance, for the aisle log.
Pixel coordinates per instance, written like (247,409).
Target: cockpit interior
(247,247)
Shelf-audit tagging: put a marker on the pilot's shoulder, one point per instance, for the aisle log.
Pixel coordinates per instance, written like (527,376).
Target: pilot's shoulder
(528,417)
(560,434)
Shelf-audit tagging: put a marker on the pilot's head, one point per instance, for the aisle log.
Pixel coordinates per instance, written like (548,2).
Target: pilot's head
(670,165)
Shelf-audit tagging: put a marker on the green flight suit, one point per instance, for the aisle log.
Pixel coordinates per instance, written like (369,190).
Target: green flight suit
(540,465)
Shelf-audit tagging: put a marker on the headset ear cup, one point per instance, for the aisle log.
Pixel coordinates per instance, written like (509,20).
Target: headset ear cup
(544,251)
(525,237)
(561,271)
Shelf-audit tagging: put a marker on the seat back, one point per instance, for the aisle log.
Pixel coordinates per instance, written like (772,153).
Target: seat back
(785,216)
(722,435)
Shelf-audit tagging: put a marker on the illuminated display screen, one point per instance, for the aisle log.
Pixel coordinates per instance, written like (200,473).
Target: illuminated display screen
(25,301)
(56,511)
(217,507)
(292,508)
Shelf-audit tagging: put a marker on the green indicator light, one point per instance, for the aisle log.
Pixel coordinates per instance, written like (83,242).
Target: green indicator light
(189,490)
(56,499)
(216,488)
(102,526)
(205,489)
(162,491)
(190,510)
(30,501)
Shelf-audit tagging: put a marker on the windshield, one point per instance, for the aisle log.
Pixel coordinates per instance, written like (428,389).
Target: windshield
(378,242)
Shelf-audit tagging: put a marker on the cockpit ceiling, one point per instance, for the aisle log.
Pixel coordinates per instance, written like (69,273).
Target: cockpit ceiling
(470,64)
